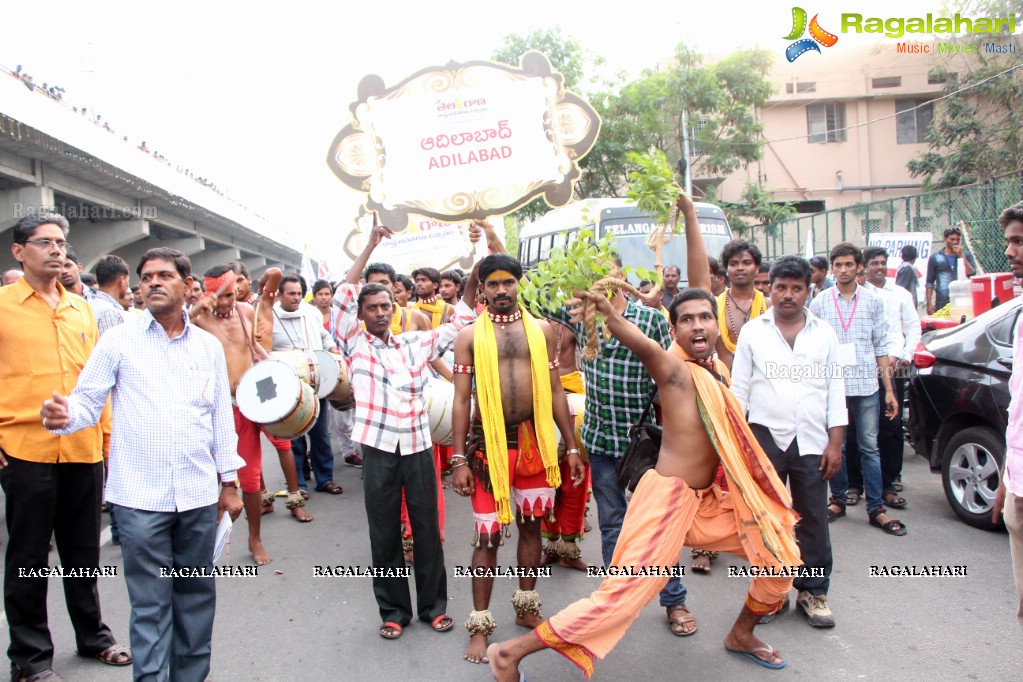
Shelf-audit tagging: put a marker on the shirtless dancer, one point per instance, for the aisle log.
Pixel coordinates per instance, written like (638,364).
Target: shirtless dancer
(231,322)
(676,503)
(510,467)
(263,335)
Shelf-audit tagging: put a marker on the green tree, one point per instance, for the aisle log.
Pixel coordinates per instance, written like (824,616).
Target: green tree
(720,101)
(576,65)
(977,129)
(756,209)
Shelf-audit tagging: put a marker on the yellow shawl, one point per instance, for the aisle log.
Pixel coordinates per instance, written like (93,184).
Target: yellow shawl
(488,395)
(435,310)
(763,505)
(757,308)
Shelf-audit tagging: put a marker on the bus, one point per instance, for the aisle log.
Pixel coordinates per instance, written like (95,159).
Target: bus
(630,227)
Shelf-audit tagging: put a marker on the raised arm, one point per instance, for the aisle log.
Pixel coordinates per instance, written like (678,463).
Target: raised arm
(494,243)
(697,265)
(376,235)
(649,352)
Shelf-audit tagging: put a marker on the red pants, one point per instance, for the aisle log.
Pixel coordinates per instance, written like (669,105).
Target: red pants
(569,507)
(249,450)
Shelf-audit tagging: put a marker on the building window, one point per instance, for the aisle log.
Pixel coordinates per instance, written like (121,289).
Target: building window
(694,147)
(934,78)
(800,88)
(886,82)
(825,122)
(912,120)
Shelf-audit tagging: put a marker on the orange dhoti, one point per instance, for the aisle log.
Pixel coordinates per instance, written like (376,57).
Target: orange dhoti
(664,514)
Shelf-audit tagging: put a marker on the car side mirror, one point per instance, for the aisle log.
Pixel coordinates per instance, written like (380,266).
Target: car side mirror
(1005,362)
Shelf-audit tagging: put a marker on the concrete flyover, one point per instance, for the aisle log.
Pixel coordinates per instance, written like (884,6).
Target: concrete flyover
(117,198)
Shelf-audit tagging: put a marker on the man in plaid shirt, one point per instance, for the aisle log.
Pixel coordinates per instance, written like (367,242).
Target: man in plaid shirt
(618,388)
(389,375)
(858,317)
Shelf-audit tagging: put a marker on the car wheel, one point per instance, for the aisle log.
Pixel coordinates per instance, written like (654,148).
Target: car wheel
(970,469)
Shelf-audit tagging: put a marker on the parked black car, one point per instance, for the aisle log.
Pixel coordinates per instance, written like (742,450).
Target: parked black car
(959,406)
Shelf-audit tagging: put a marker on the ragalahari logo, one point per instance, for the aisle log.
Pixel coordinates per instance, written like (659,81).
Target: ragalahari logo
(817,35)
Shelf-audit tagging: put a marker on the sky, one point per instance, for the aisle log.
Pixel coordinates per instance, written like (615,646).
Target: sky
(252,97)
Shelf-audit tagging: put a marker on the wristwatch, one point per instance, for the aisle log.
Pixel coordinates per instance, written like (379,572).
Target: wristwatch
(229,484)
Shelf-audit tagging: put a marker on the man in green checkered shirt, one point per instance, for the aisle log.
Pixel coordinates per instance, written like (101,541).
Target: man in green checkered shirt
(618,388)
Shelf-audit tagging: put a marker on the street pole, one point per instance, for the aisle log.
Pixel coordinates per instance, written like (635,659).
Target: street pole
(685,153)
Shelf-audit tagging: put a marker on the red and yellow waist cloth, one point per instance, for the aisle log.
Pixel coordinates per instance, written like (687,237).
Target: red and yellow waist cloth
(755,521)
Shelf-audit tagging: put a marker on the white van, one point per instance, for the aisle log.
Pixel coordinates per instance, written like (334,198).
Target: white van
(630,227)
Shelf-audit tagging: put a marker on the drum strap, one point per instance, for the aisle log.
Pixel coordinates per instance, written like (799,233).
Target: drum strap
(248,339)
(285,328)
(404,320)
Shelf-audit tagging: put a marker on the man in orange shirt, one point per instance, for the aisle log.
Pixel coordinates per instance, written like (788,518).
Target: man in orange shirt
(53,484)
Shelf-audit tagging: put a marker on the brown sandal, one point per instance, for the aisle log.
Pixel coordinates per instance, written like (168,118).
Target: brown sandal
(681,623)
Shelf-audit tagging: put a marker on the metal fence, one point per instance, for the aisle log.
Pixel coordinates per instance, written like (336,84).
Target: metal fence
(974,207)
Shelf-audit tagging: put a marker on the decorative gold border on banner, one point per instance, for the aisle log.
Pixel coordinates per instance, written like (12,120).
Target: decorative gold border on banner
(358,158)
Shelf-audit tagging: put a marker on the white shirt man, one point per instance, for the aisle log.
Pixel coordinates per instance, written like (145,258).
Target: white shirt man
(903,336)
(787,374)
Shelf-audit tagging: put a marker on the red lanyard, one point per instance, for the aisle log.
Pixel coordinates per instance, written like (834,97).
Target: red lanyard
(852,313)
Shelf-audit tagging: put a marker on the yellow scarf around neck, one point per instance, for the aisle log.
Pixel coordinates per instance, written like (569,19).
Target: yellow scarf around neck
(757,308)
(764,503)
(488,395)
(435,310)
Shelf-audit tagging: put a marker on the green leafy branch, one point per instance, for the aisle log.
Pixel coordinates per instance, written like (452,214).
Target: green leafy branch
(652,185)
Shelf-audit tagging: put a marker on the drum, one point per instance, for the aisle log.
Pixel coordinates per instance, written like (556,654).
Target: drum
(303,363)
(440,398)
(272,394)
(334,383)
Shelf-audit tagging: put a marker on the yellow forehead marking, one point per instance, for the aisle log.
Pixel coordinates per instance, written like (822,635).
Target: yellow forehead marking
(500,275)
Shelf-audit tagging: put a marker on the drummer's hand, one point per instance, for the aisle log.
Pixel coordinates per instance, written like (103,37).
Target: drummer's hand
(575,465)
(229,502)
(204,306)
(462,480)
(269,281)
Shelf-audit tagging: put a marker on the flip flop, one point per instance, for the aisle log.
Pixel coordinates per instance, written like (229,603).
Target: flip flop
(681,622)
(394,626)
(331,488)
(436,623)
(852,498)
(752,655)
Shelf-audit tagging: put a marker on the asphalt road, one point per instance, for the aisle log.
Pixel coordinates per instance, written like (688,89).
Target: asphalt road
(293,626)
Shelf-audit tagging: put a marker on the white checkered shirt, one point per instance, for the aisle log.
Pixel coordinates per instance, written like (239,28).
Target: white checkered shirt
(173,428)
(868,332)
(109,313)
(389,378)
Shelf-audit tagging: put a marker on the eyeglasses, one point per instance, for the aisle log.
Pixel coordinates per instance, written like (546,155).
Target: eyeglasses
(49,244)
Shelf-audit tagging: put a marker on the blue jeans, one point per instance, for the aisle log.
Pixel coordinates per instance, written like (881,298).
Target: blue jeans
(864,413)
(611,507)
(321,455)
(171,618)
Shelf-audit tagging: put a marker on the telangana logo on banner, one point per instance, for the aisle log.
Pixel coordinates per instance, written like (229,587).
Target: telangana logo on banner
(467,140)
